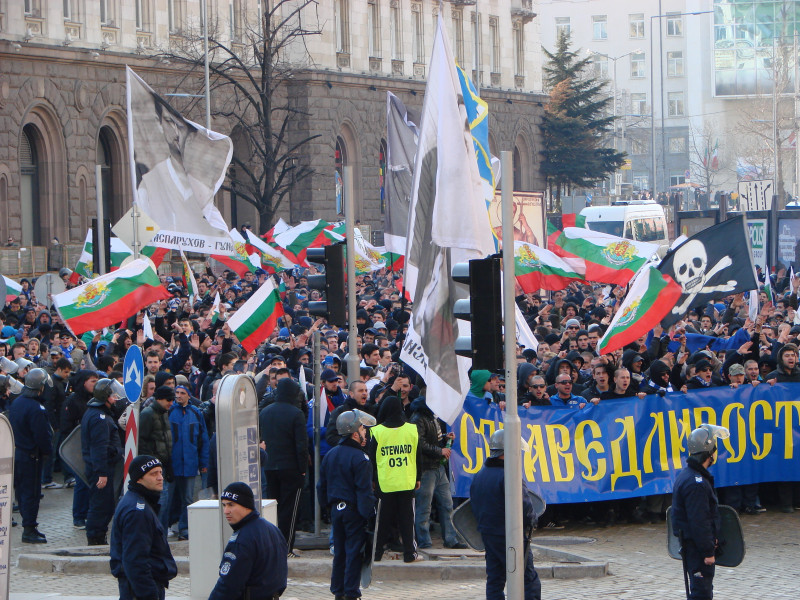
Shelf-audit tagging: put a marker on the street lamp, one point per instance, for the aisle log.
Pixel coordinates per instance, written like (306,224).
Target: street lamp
(661,90)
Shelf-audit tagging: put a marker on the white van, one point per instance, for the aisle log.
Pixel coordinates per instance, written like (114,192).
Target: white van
(641,220)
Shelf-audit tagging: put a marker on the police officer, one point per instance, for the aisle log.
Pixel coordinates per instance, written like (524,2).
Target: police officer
(101,447)
(695,514)
(140,556)
(33,439)
(487,495)
(345,486)
(254,565)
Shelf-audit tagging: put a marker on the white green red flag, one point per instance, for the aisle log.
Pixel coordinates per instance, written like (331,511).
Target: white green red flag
(257,318)
(241,261)
(609,259)
(110,298)
(394,261)
(215,309)
(272,260)
(13,289)
(651,297)
(573,220)
(539,269)
(189,282)
(85,266)
(308,234)
(155,253)
(279,227)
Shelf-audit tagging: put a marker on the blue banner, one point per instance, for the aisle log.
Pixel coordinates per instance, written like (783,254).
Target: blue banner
(629,447)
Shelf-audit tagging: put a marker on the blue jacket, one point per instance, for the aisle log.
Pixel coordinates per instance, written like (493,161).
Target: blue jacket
(32,432)
(487,494)
(346,476)
(695,510)
(324,447)
(254,561)
(139,549)
(101,445)
(573,401)
(189,440)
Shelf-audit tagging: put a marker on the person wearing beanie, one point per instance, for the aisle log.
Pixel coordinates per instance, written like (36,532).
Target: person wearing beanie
(254,564)
(140,556)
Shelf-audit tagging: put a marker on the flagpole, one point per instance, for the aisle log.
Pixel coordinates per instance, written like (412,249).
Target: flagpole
(317,425)
(353,370)
(515,551)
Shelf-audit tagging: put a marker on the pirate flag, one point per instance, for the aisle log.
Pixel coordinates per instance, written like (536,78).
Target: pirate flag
(710,265)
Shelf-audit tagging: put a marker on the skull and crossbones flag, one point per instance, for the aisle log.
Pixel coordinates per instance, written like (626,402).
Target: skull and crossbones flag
(710,265)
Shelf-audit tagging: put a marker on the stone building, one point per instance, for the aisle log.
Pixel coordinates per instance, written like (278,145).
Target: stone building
(62,97)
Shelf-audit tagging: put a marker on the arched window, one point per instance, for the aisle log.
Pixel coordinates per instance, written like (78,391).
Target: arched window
(340,157)
(517,170)
(4,204)
(106,162)
(30,174)
(382,175)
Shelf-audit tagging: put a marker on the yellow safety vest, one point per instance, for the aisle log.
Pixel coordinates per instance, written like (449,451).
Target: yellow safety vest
(396,456)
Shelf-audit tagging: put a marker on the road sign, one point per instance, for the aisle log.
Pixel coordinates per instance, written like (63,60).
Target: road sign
(146,228)
(48,285)
(756,195)
(133,373)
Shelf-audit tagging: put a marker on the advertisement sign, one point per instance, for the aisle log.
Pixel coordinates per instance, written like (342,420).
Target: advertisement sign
(759,230)
(529,225)
(789,242)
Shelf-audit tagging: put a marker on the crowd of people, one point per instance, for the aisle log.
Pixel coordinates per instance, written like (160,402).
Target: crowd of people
(64,381)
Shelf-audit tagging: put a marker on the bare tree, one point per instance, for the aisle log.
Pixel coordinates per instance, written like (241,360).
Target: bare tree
(705,156)
(252,67)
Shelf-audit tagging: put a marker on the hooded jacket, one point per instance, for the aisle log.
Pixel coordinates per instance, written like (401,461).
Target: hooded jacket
(283,428)
(75,405)
(655,383)
(391,415)
(430,435)
(155,436)
(780,373)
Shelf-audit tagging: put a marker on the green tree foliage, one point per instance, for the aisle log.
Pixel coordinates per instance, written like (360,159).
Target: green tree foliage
(574,124)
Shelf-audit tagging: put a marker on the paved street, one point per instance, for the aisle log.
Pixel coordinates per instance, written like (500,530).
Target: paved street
(640,567)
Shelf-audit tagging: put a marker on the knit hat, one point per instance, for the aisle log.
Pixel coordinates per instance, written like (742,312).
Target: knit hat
(240,493)
(164,392)
(141,465)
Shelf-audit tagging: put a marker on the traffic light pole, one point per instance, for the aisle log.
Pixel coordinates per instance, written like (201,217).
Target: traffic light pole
(515,551)
(353,369)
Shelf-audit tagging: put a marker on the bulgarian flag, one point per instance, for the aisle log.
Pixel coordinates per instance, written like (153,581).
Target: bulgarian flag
(155,253)
(609,259)
(394,262)
(13,289)
(308,234)
(215,309)
(537,268)
(189,282)
(272,260)
(651,297)
(573,220)
(276,229)
(110,298)
(241,262)
(85,266)
(258,317)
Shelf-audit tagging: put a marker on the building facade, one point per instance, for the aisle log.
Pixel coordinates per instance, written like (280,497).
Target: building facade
(62,96)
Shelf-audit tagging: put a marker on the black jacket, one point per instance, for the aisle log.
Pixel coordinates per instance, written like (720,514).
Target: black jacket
(283,428)
(75,405)
(695,510)
(100,442)
(155,436)
(430,438)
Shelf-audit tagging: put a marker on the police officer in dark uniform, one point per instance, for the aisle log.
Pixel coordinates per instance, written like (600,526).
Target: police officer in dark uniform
(695,513)
(140,556)
(345,486)
(254,565)
(101,447)
(487,495)
(33,439)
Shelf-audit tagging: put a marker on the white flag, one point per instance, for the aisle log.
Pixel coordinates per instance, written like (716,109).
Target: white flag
(147,328)
(753,307)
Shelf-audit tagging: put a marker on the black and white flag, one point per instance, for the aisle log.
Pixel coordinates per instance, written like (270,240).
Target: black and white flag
(402,134)
(710,265)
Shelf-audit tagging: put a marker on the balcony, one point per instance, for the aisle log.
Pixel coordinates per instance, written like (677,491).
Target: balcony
(523,10)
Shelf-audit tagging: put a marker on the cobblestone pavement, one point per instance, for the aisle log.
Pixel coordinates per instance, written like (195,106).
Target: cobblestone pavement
(640,568)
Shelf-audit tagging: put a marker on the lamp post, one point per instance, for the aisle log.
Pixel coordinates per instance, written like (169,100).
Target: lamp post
(661,89)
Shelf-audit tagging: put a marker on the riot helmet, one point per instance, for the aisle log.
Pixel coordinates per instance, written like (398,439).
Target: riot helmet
(702,442)
(497,444)
(36,379)
(105,388)
(350,421)
(8,366)
(10,385)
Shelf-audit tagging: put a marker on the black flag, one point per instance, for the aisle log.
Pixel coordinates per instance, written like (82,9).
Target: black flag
(710,265)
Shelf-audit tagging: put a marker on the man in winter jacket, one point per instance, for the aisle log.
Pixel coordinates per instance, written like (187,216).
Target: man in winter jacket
(155,439)
(189,455)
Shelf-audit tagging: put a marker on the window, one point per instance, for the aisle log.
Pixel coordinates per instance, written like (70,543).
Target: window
(563,27)
(599,27)
(646,230)
(104,16)
(641,182)
(477,42)
(374,25)
(495,35)
(675,64)
(33,8)
(639,104)
(639,144)
(397,32)
(342,15)
(637,64)
(674,24)
(458,37)
(68,10)
(636,26)
(519,49)
(419,33)
(675,102)
(677,145)
(139,14)
(600,64)
(677,179)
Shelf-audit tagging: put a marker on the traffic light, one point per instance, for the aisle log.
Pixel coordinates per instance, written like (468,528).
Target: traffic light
(96,247)
(484,309)
(334,307)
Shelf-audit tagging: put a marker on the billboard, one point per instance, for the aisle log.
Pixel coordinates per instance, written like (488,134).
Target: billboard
(529,217)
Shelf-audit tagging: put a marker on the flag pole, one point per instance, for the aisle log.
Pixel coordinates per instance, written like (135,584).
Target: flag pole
(515,551)
(353,370)
(317,425)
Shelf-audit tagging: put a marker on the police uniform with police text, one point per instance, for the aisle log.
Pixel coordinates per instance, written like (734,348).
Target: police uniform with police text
(254,563)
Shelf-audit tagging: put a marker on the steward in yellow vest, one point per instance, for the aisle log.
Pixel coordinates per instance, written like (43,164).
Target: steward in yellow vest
(395,451)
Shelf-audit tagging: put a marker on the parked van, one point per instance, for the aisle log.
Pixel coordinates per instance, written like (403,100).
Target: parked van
(641,220)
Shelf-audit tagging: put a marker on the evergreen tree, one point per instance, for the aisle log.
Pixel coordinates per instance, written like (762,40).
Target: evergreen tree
(574,124)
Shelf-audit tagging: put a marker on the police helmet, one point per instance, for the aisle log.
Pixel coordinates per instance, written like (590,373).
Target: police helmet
(8,366)
(497,444)
(105,388)
(23,363)
(64,272)
(703,441)
(9,384)
(36,379)
(349,421)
